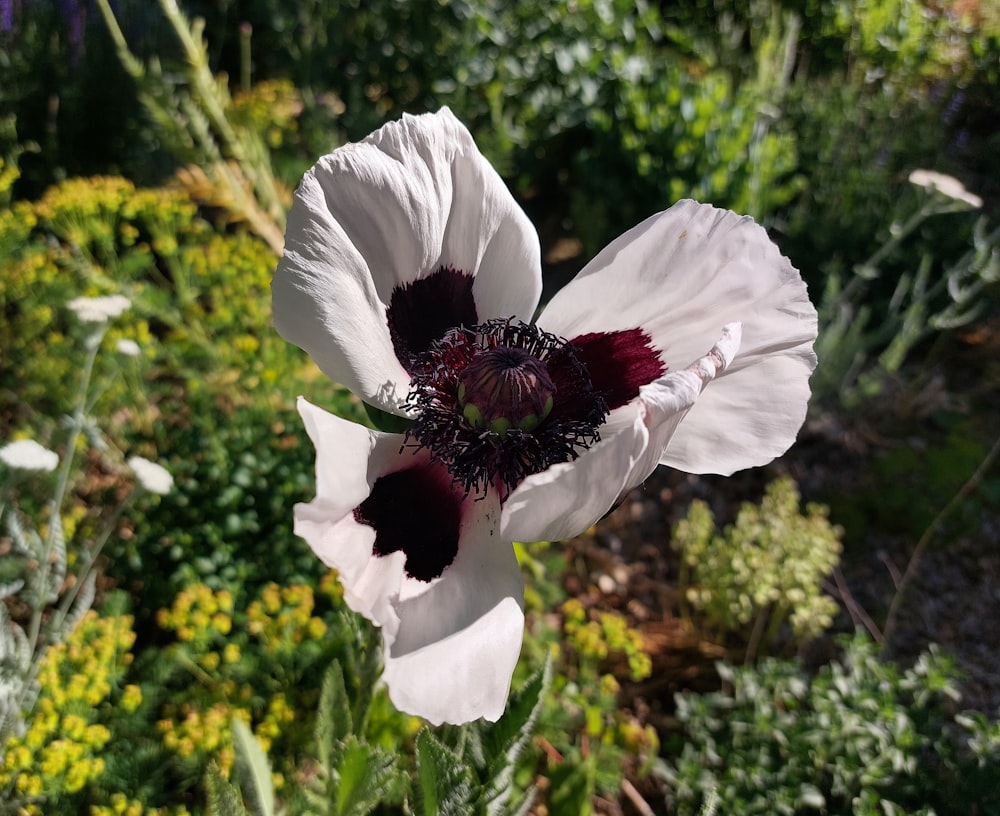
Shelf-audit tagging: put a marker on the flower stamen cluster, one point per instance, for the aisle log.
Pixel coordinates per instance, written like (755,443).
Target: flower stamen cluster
(500,401)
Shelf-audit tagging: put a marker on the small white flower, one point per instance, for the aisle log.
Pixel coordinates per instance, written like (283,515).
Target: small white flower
(128,347)
(153,477)
(948,186)
(99,309)
(27,454)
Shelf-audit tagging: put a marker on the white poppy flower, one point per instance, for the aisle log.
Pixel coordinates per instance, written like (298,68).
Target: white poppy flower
(410,275)
(948,186)
(27,454)
(99,309)
(153,477)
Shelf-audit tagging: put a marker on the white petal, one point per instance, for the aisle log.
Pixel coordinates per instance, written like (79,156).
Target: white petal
(451,644)
(153,477)
(453,655)
(566,499)
(349,458)
(681,275)
(99,309)
(27,454)
(414,196)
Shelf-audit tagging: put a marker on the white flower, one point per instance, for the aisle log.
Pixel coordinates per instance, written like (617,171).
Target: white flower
(410,275)
(99,309)
(153,477)
(27,454)
(948,186)
(128,347)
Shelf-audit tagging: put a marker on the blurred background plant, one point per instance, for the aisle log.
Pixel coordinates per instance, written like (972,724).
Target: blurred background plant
(861,736)
(149,150)
(49,575)
(765,570)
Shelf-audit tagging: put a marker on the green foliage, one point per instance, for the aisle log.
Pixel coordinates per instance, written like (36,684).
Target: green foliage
(223,796)
(237,474)
(587,737)
(466,771)
(252,770)
(196,123)
(907,486)
(352,776)
(864,338)
(445,783)
(764,570)
(100,235)
(861,736)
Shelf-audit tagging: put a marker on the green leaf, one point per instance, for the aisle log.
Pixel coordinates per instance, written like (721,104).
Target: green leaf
(572,788)
(366,775)
(384,421)
(506,740)
(223,798)
(333,719)
(445,782)
(253,770)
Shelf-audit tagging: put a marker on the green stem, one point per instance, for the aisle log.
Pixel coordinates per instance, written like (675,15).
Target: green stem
(91,557)
(911,567)
(55,528)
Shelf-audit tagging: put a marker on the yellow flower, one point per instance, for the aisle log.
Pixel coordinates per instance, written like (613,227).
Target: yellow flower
(131,698)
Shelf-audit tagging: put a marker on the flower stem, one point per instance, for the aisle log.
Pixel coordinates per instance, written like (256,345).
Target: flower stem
(911,567)
(55,527)
(90,558)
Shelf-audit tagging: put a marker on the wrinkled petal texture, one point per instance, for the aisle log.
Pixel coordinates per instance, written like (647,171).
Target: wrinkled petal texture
(567,499)
(451,644)
(681,276)
(411,198)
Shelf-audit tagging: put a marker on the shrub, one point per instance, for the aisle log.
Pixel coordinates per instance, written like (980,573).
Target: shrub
(763,570)
(861,737)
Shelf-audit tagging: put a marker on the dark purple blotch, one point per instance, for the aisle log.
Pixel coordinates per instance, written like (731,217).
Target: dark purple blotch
(418,512)
(619,363)
(423,310)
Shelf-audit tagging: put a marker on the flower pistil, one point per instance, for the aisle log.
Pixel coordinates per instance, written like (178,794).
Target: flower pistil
(500,401)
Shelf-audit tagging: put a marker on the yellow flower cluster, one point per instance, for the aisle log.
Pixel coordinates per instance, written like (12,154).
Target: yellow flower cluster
(199,615)
(60,752)
(191,730)
(120,805)
(91,236)
(606,633)
(269,108)
(241,660)
(8,175)
(283,618)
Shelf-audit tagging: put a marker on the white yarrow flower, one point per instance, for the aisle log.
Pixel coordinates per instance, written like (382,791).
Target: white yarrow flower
(99,309)
(27,454)
(948,186)
(153,477)
(128,347)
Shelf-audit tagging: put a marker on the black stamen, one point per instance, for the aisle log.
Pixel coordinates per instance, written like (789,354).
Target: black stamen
(480,458)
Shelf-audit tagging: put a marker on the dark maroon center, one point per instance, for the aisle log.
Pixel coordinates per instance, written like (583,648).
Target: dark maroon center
(493,403)
(505,388)
(418,512)
(423,310)
(619,363)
